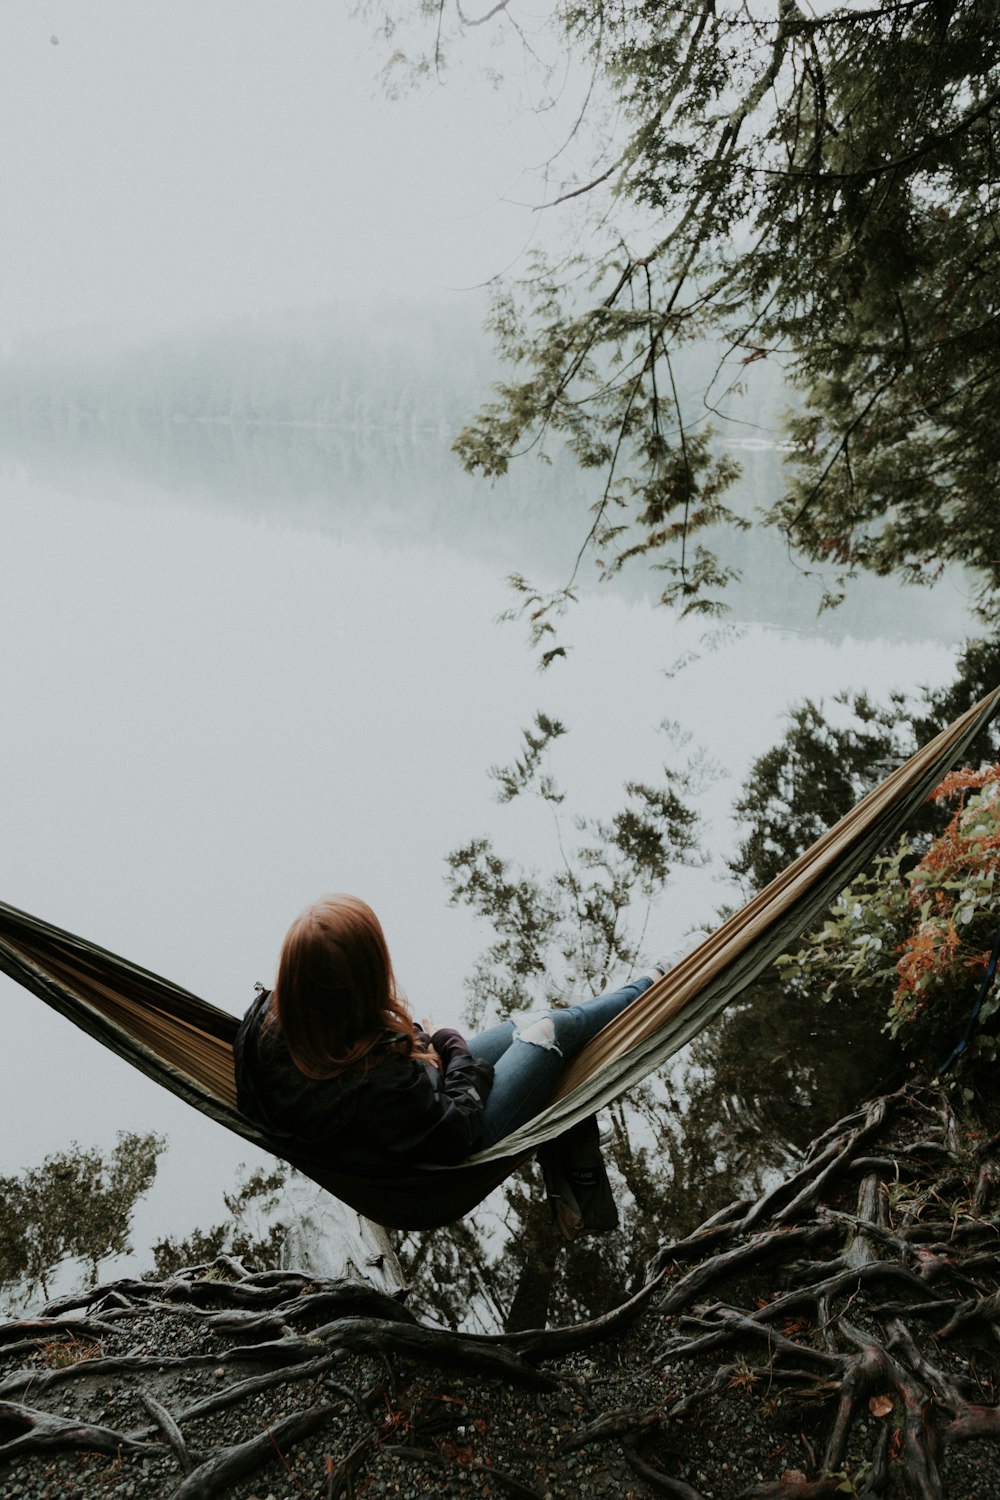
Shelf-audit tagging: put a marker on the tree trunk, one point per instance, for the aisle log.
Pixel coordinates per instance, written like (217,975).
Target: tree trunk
(327,1239)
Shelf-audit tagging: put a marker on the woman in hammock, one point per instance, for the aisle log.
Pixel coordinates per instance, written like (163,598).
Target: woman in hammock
(331,1060)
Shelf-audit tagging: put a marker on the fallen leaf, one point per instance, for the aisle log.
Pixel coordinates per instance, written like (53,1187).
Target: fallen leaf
(793,1326)
(880,1406)
(793,1476)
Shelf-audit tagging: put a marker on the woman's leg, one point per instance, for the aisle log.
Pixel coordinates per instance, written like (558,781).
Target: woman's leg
(491,1045)
(530,1052)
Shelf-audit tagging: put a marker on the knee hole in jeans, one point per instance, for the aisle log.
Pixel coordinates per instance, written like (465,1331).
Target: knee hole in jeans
(537,1031)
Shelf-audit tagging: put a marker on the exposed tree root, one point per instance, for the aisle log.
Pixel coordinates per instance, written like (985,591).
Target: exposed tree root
(876,1371)
(228,1465)
(613,1424)
(24,1429)
(242,1390)
(664,1484)
(777,1308)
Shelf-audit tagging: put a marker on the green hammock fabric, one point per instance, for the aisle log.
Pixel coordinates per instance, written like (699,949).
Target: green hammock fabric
(186,1044)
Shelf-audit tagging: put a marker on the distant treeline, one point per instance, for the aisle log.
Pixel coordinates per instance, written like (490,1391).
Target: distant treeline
(328,418)
(344,424)
(397,371)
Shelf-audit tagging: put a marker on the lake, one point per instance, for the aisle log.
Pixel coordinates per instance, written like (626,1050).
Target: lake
(231,685)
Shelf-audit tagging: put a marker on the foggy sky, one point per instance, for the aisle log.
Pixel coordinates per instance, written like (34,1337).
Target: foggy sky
(173,162)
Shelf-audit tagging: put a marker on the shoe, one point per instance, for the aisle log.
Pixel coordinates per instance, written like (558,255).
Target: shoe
(576,1182)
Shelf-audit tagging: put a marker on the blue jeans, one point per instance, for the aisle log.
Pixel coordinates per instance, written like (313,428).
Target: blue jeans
(529,1053)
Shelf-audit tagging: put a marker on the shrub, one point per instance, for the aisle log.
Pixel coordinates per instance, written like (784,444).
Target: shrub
(919,927)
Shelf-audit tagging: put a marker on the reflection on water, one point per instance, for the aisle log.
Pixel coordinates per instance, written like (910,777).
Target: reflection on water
(407,484)
(243,666)
(735,1110)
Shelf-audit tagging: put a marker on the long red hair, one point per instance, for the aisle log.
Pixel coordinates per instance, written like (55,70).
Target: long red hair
(335,998)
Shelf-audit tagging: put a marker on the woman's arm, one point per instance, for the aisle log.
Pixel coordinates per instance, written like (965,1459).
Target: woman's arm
(426,1116)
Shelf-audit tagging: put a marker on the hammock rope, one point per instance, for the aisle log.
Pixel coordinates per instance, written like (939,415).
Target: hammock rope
(185,1044)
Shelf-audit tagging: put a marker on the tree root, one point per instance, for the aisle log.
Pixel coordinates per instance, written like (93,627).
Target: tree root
(889,1377)
(661,1482)
(369,1336)
(875,1328)
(231,1464)
(613,1424)
(242,1390)
(25,1429)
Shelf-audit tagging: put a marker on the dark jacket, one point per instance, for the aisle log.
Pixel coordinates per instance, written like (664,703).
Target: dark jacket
(378,1121)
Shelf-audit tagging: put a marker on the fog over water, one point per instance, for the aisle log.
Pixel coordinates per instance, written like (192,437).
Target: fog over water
(211,719)
(251,655)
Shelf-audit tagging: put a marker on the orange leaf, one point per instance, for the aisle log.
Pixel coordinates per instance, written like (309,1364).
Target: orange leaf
(880,1406)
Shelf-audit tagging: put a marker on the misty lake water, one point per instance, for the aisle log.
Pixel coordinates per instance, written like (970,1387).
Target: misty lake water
(230,685)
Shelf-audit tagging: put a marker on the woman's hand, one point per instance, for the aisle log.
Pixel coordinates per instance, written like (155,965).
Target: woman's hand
(433,1055)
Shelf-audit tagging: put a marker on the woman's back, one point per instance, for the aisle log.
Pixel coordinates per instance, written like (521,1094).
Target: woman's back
(378,1119)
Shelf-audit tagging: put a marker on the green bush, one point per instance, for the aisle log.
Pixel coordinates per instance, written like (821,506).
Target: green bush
(918,929)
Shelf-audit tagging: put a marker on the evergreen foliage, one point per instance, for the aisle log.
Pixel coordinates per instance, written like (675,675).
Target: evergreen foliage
(812,189)
(826,762)
(571,932)
(77,1205)
(250,1231)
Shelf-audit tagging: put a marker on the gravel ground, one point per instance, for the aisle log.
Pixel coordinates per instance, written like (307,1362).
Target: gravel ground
(725,1381)
(428,1429)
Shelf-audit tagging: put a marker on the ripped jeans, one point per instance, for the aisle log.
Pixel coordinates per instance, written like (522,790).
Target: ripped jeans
(529,1053)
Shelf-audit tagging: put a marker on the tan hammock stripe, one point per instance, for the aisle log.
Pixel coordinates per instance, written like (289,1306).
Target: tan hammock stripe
(205,1060)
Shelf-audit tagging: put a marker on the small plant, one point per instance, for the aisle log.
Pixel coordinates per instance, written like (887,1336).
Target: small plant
(742,1377)
(59,1354)
(847,1483)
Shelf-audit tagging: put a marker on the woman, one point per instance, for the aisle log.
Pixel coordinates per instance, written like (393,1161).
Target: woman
(331,1061)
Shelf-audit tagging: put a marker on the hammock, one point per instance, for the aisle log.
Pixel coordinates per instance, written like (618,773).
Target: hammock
(186,1044)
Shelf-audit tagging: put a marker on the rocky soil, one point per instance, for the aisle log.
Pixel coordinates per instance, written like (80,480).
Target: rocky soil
(841,1336)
